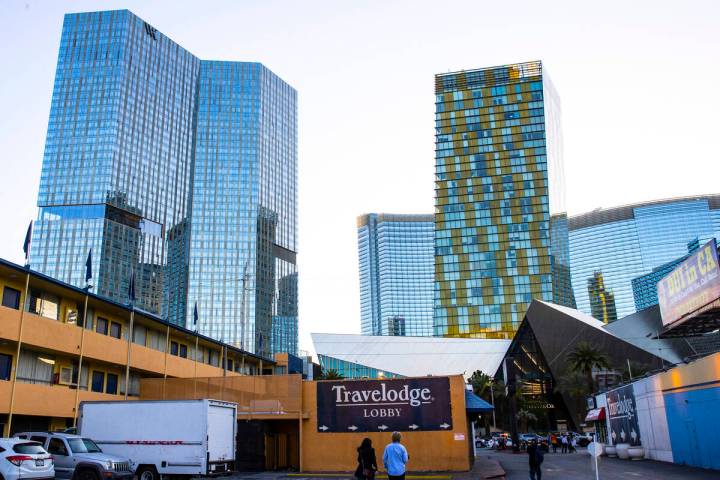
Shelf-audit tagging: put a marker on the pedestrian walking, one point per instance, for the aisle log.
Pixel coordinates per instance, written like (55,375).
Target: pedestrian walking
(563,444)
(535,458)
(573,445)
(554,442)
(367,463)
(395,458)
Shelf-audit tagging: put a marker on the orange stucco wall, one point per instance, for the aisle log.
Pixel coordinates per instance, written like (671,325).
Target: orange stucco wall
(428,451)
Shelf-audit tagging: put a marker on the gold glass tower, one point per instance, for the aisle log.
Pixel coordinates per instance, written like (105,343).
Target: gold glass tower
(500,224)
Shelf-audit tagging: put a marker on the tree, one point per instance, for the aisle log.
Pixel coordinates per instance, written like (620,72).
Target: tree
(573,386)
(525,417)
(584,358)
(330,374)
(480,382)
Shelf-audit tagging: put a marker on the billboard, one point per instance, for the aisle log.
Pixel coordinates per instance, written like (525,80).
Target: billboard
(413,404)
(622,414)
(692,285)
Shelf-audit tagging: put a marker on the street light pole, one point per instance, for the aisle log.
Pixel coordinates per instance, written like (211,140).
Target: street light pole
(492,401)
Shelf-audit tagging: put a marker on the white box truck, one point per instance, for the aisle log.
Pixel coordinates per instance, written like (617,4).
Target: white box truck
(165,437)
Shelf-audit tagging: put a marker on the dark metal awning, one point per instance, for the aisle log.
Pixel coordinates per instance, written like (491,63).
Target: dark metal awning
(595,415)
(475,404)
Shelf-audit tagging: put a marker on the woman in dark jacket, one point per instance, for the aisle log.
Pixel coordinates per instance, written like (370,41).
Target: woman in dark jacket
(367,464)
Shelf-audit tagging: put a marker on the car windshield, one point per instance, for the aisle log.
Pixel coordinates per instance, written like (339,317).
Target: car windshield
(30,448)
(83,445)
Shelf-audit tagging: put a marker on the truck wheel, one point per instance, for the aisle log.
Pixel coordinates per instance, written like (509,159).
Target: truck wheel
(87,474)
(146,472)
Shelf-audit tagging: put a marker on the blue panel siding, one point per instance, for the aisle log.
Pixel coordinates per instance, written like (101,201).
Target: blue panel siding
(694,421)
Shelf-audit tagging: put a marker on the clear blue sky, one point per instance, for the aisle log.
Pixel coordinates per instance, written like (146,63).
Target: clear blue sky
(638,82)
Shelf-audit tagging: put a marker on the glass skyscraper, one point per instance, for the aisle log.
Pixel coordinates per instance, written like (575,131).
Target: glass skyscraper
(629,241)
(500,222)
(645,286)
(602,301)
(396,274)
(244,214)
(178,170)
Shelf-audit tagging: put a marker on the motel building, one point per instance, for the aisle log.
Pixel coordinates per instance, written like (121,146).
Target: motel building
(60,345)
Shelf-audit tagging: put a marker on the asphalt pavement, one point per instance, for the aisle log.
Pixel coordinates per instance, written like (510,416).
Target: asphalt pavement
(557,466)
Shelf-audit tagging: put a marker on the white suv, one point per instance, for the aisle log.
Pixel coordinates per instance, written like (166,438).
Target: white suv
(24,460)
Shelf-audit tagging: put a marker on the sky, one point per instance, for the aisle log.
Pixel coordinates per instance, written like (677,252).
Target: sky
(637,82)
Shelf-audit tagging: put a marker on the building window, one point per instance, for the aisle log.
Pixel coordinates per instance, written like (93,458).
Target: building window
(11,298)
(229,362)
(112,384)
(174,348)
(44,304)
(139,334)
(5,366)
(183,351)
(101,326)
(98,381)
(115,330)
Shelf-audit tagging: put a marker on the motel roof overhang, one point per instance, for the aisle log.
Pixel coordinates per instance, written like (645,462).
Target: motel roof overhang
(13,270)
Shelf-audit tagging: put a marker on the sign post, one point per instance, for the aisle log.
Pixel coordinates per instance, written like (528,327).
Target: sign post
(595,449)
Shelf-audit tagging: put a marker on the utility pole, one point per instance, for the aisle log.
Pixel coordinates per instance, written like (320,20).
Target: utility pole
(492,401)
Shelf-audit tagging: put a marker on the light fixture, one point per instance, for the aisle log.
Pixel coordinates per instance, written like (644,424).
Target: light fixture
(49,361)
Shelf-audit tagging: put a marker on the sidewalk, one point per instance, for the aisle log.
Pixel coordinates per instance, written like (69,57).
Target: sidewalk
(577,466)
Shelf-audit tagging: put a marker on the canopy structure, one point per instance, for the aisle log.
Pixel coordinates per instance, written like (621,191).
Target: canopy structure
(413,356)
(595,414)
(475,404)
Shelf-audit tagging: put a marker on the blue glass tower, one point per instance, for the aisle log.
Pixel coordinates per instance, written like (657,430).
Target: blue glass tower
(244,214)
(396,274)
(645,286)
(626,242)
(180,170)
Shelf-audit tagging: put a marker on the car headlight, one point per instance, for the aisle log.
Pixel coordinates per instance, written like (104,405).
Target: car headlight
(109,464)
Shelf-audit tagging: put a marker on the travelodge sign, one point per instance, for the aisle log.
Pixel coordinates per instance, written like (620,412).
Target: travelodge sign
(414,404)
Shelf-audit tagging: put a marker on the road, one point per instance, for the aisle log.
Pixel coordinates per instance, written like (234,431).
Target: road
(569,466)
(559,466)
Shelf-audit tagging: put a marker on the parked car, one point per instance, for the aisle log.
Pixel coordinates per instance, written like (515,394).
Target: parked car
(79,458)
(525,438)
(25,460)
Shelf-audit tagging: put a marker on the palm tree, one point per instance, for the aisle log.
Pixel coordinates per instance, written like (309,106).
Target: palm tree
(330,374)
(480,382)
(525,417)
(584,358)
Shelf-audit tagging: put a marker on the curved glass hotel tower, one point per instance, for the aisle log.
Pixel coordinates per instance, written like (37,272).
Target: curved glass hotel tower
(180,171)
(396,274)
(622,243)
(500,222)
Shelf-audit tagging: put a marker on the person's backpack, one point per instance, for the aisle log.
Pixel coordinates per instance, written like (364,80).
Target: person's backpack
(539,456)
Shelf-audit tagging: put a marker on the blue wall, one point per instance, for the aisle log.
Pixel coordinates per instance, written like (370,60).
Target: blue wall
(694,425)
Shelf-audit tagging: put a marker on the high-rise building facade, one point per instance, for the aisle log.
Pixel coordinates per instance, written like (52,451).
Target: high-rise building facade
(629,241)
(645,286)
(396,274)
(500,222)
(602,300)
(244,205)
(178,171)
